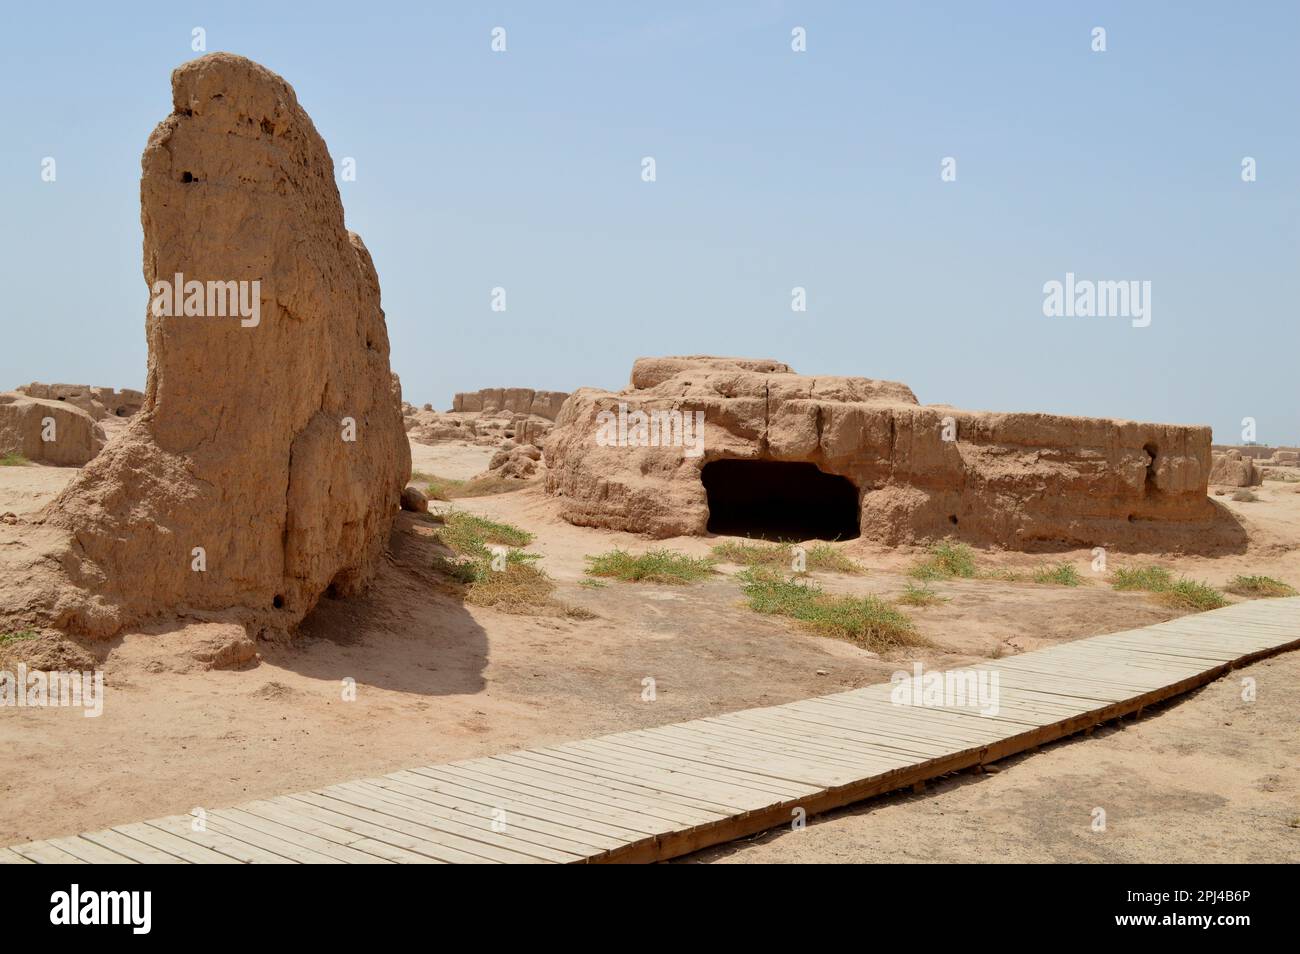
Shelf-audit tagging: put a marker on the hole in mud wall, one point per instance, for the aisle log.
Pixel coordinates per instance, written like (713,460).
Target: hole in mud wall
(779,500)
(278,602)
(1150,486)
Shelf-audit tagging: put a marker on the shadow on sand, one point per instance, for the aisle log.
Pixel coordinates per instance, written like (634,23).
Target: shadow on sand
(410,631)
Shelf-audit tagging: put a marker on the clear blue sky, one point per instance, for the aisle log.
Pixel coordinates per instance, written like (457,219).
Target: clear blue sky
(775,169)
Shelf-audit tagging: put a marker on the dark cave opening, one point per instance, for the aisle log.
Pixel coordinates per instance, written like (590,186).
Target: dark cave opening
(779,500)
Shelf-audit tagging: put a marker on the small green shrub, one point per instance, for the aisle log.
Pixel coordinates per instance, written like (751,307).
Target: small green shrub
(818,556)
(1182,593)
(866,620)
(947,559)
(470,535)
(1259,586)
(1063,574)
(1189,594)
(922,595)
(1152,578)
(653,566)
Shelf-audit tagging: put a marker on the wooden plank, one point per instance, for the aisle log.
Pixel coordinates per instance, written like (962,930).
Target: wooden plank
(512,827)
(136,850)
(370,837)
(44,853)
(10,857)
(291,849)
(612,765)
(639,756)
(341,852)
(645,800)
(504,789)
(90,852)
(513,813)
(574,813)
(172,845)
(510,778)
(182,826)
(691,749)
(440,843)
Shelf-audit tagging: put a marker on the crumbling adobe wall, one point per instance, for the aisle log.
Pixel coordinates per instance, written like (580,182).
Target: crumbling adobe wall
(545,404)
(241,449)
(1023,481)
(48,431)
(99,403)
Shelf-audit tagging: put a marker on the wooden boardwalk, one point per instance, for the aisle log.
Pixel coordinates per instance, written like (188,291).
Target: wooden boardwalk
(658,793)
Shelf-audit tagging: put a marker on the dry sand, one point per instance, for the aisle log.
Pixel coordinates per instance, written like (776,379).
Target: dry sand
(438,680)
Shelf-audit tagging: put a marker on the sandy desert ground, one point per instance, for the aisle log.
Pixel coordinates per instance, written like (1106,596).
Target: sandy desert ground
(1207,778)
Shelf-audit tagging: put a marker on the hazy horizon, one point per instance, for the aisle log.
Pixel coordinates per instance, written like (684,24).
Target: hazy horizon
(775,170)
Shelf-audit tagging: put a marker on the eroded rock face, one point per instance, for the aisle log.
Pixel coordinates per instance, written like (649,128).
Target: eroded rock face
(48,431)
(1024,481)
(274,449)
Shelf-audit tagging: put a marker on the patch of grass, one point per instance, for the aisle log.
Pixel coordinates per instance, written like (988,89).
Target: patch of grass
(947,559)
(818,556)
(1063,574)
(518,586)
(922,595)
(1006,576)
(18,636)
(470,535)
(1152,578)
(13,460)
(866,620)
(593,584)
(522,589)
(461,571)
(1259,586)
(653,566)
(1245,496)
(1189,594)
(1182,593)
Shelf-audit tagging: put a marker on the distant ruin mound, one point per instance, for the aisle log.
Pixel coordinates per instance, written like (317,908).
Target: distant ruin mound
(505,418)
(48,431)
(99,403)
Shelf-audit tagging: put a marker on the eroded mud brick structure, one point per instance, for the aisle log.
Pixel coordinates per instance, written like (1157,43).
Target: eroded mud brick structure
(267,461)
(785,454)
